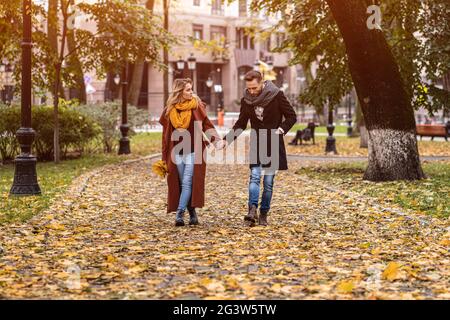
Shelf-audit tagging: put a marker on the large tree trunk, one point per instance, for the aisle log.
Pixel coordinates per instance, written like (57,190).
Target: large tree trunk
(388,114)
(138,70)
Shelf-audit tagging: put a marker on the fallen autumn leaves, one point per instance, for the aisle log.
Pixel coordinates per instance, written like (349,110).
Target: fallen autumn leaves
(121,243)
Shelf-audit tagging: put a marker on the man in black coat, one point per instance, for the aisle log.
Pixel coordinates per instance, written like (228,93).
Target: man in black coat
(271,117)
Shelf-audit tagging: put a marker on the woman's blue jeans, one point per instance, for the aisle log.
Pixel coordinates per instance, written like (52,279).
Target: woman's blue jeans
(254,186)
(185,166)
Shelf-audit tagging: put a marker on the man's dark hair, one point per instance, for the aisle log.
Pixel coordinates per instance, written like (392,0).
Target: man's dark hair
(251,75)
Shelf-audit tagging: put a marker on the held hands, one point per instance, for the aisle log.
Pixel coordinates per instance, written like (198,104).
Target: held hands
(221,144)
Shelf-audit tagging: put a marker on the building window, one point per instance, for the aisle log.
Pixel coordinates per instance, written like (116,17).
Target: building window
(239,40)
(217,7)
(268,43)
(242,8)
(280,39)
(243,40)
(197,3)
(219,34)
(197,31)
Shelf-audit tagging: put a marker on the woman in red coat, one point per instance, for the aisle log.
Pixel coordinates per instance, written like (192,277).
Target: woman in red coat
(184,120)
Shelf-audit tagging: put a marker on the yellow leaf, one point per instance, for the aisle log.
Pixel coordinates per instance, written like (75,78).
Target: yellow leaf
(276,287)
(160,168)
(391,271)
(110,259)
(232,284)
(212,285)
(136,269)
(56,226)
(346,286)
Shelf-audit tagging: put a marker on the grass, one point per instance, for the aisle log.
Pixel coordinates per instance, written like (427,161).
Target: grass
(350,147)
(54,179)
(322,129)
(430,196)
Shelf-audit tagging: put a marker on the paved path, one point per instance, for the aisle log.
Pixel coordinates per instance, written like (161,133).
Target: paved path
(109,236)
(331,158)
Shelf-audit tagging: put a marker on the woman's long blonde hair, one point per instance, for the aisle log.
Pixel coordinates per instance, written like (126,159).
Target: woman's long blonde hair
(176,96)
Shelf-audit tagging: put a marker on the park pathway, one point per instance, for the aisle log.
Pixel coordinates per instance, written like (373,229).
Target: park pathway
(109,236)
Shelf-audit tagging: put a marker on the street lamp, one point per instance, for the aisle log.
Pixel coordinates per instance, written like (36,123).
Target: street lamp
(192,63)
(218,89)
(25,176)
(124,144)
(331,140)
(209,82)
(180,64)
(349,128)
(256,65)
(117,79)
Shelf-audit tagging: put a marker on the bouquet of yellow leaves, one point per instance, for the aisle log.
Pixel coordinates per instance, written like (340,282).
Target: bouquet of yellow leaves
(160,168)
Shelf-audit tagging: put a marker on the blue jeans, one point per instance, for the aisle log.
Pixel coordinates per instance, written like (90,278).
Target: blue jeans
(185,166)
(253,188)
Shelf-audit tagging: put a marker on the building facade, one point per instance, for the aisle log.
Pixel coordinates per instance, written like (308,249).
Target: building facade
(218,75)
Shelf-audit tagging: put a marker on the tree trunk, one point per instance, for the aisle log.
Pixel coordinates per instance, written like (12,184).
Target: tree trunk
(359,119)
(364,138)
(166,53)
(136,81)
(388,114)
(58,86)
(75,65)
(52,34)
(138,70)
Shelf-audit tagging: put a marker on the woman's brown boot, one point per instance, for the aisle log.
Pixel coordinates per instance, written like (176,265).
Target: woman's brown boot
(193,219)
(179,222)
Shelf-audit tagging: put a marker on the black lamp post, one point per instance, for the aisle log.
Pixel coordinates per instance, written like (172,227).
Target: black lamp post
(25,177)
(192,64)
(331,140)
(349,128)
(209,83)
(180,64)
(256,65)
(124,144)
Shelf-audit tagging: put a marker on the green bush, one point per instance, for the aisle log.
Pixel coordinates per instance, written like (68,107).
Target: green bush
(9,120)
(76,131)
(108,116)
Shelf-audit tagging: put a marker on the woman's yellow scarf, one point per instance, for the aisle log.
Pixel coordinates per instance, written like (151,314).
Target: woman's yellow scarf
(180,115)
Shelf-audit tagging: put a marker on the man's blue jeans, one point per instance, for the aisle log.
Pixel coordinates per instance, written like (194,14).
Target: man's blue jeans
(254,186)
(185,166)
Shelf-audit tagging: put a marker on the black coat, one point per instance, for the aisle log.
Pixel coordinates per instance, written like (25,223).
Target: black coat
(277,114)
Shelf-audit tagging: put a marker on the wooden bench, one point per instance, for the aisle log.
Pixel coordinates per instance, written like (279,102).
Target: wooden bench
(433,130)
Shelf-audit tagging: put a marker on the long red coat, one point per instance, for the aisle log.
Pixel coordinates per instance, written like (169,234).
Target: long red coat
(173,181)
